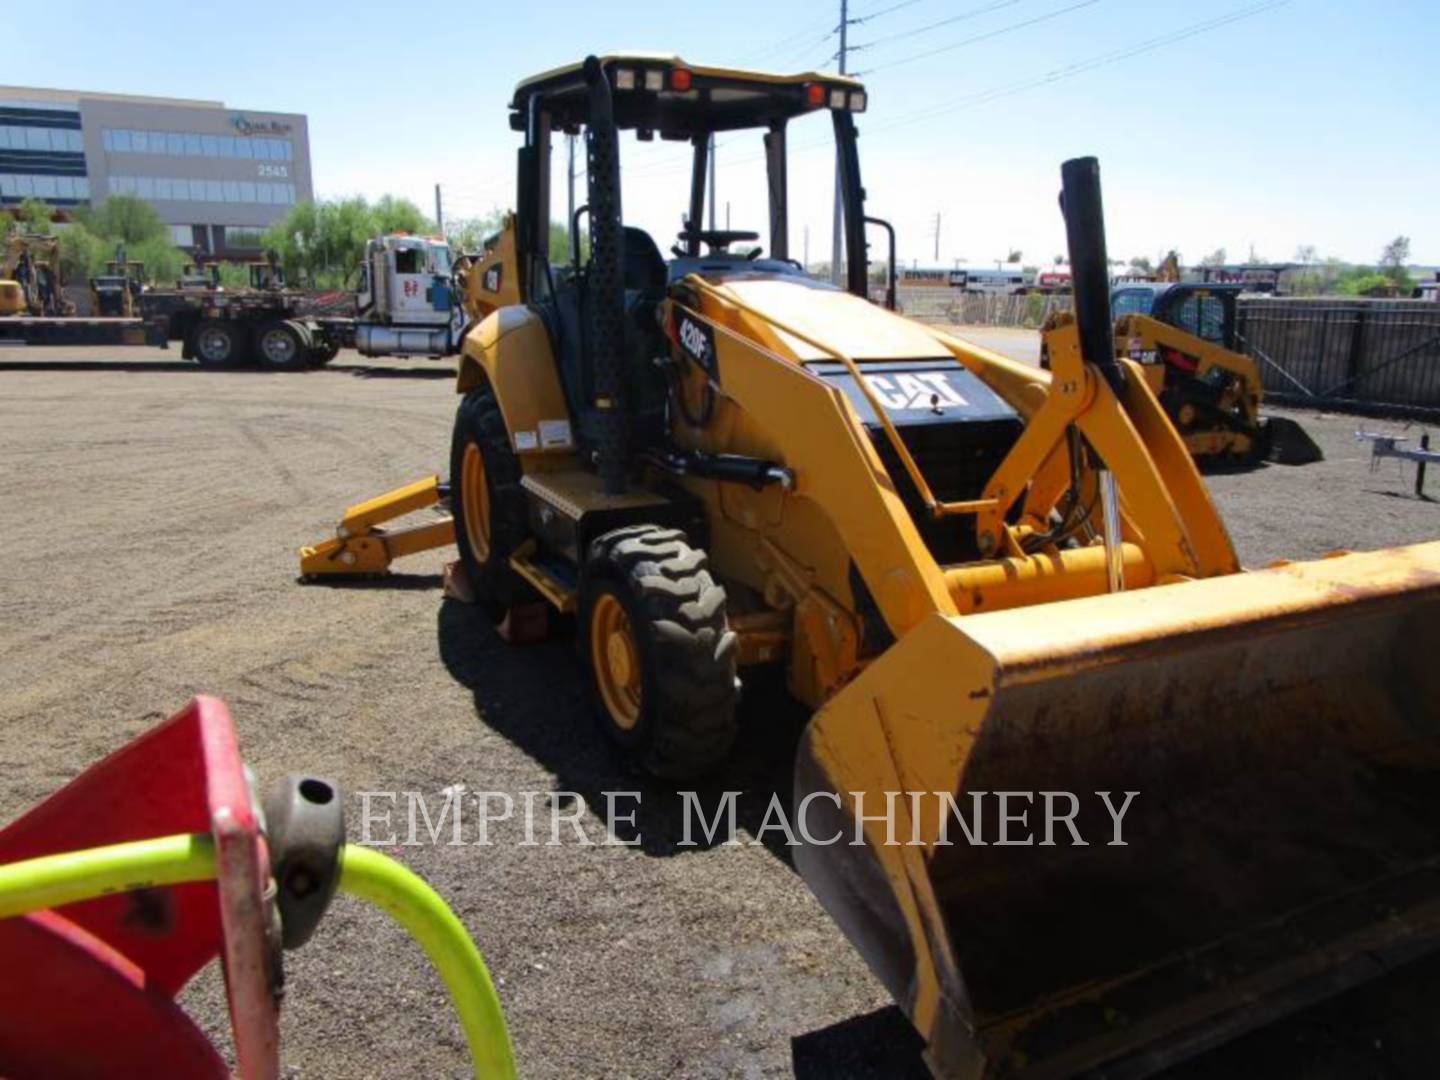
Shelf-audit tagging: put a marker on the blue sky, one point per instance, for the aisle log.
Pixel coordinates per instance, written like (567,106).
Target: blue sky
(1311,122)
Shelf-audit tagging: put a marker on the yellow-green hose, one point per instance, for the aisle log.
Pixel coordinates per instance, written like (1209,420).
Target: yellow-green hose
(56,880)
(366,873)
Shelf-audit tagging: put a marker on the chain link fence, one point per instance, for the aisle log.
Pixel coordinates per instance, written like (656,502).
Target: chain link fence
(981,309)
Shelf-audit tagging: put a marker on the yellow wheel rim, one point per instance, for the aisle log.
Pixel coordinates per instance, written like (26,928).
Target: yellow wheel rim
(475,502)
(615,660)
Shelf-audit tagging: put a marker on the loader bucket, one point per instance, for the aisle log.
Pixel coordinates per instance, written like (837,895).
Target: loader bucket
(1281,729)
(1285,442)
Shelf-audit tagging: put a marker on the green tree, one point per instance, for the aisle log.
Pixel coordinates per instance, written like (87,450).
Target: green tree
(470,234)
(1141,265)
(126,219)
(163,260)
(33,216)
(82,253)
(1393,260)
(322,243)
(1215,258)
(1359,280)
(395,215)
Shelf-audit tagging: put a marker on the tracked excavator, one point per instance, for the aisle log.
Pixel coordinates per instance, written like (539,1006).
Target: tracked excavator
(982,577)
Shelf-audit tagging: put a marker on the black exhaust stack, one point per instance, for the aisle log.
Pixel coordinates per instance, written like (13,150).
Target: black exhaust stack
(1089,266)
(605,286)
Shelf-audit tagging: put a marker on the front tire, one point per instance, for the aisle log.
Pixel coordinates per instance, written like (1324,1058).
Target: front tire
(219,343)
(487,502)
(659,650)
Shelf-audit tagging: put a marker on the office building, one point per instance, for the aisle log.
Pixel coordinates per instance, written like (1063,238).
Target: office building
(217,176)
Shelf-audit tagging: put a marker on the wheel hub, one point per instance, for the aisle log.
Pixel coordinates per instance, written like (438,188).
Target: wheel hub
(616,661)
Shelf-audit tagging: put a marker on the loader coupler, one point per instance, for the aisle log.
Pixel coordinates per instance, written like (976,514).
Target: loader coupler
(1280,731)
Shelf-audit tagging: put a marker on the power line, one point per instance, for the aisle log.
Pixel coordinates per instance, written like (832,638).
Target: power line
(883,11)
(980,37)
(1090,64)
(1059,74)
(962,17)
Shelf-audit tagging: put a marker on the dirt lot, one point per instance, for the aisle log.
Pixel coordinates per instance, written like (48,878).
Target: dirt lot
(152,516)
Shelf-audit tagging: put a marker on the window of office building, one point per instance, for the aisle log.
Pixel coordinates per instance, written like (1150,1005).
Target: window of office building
(241,239)
(178,189)
(49,140)
(193,144)
(26,185)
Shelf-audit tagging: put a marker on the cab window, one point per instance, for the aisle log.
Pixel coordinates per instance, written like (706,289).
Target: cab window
(1131,302)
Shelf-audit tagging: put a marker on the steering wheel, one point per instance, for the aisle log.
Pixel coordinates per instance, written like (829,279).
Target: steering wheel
(717,240)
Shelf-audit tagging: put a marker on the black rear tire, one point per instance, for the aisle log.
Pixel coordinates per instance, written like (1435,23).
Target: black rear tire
(684,723)
(489,525)
(282,346)
(219,343)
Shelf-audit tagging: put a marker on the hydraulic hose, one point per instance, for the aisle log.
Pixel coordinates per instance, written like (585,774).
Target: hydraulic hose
(56,880)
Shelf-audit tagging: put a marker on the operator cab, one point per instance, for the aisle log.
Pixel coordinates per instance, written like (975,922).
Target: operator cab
(1207,311)
(662,101)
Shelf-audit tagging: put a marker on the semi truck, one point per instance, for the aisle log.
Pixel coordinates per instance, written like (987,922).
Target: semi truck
(405,304)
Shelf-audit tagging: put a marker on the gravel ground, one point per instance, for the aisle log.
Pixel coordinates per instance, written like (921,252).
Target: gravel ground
(152,516)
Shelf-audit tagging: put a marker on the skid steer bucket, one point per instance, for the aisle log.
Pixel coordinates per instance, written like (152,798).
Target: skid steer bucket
(1281,731)
(1285,442)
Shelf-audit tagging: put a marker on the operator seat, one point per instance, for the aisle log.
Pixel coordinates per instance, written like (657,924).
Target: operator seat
(644,279)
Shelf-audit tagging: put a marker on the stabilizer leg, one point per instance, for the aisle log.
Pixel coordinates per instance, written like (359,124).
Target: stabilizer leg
(361,547)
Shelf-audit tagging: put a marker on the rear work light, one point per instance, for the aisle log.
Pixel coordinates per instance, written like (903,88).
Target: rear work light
(680,79)
(857,101)
(654,80)
(837,99)
(624,78)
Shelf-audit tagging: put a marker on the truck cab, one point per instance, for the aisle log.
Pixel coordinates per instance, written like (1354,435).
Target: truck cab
(404,299)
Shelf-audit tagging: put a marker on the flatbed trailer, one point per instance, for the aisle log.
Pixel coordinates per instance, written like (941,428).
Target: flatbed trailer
(405,305)
(73,330)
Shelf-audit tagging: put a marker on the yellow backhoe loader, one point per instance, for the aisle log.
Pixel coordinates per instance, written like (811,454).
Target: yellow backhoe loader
(30,278)
(989,581)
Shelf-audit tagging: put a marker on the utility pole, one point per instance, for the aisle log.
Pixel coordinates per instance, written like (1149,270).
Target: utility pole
(937,236)
(807,249)
(835,253)
(439,217)
(727,215)
(711,156)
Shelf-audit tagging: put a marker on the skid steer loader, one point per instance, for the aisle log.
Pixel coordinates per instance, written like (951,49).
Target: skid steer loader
(1185,338)
(985,578)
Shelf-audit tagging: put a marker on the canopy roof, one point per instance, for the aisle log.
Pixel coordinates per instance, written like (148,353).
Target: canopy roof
(653,92)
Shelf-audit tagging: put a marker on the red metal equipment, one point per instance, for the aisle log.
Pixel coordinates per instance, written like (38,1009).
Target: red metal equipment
(89,989)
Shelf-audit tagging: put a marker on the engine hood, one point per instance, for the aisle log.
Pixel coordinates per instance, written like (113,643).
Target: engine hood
(856,327)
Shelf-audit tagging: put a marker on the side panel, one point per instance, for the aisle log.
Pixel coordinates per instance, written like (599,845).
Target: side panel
(492,281)
(510,350)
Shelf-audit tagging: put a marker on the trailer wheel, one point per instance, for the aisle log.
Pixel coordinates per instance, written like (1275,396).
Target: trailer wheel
(487,502)
(219,342)
(659,649)
(282,346)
